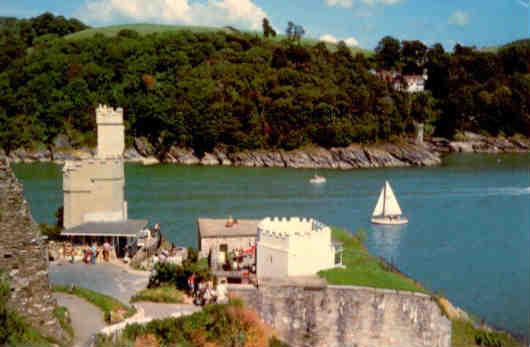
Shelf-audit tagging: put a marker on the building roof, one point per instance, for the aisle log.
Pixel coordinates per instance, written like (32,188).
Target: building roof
(128,228)
(208,227)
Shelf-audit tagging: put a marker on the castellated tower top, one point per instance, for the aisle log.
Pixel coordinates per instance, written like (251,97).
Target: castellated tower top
(111,132)
(109,115)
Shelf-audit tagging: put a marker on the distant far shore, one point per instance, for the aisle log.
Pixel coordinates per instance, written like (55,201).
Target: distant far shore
(354,156)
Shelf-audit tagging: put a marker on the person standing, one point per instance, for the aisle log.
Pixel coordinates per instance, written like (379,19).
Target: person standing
(106,251)
(222,292)
(94,250)
(191,284)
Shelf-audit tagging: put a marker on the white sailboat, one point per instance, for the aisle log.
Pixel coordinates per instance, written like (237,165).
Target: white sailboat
(387,210)
(316,179)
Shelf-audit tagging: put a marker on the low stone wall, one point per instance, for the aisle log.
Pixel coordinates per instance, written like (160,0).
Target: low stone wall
(344,316)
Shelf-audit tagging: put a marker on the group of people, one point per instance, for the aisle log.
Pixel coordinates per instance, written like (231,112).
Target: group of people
(204,292)
(91,253)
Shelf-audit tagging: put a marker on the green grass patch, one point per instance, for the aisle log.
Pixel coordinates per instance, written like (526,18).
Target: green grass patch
(168,294)
(364,269)
(63,316)
(108,305)
(464,334)
(146,29)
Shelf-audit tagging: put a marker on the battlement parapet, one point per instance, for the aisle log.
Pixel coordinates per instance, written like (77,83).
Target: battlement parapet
(109,115)
(290,227)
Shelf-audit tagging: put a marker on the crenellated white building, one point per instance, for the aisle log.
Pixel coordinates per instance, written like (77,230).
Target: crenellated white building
(289,247)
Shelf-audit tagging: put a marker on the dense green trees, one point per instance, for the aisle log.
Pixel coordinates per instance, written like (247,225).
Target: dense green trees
(245,92)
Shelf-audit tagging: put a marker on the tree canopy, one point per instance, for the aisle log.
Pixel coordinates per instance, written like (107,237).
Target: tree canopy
(245,92)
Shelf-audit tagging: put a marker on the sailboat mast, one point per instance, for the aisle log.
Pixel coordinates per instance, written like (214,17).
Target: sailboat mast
(384,200)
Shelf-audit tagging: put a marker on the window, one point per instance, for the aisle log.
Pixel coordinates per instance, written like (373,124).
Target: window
(338,258)
(223,247)
(338,252)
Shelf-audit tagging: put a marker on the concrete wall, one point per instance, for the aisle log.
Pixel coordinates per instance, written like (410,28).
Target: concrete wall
(348,316)
(23,257)
(93,190)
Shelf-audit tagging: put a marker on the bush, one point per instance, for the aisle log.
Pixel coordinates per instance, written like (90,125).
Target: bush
(52,232)
(161,294)
(215,325)
(488,339)
(177,275)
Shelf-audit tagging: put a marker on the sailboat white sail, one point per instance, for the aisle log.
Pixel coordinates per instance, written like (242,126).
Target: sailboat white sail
(387,210)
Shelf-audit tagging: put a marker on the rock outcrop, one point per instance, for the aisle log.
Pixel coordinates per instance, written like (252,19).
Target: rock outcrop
(351,157)
(178,155)
(24,258)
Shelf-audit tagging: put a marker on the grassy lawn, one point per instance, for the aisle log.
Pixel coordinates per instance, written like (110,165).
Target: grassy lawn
(168,294)
(107,304)
(464,334)
(146,29)
(364,269)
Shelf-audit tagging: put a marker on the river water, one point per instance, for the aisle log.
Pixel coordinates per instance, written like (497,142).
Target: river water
(468,236)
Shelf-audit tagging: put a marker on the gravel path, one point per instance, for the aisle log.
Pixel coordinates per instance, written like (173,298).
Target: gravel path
(87,319)
(106,278)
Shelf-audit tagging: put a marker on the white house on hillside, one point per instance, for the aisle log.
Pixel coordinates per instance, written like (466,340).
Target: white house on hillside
(405,83)
(294,247)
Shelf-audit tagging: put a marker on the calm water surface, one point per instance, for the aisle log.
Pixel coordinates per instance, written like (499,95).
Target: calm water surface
(468,235)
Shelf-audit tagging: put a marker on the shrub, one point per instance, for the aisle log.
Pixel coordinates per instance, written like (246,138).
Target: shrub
(52,232)
(177,275)
(488,339)
(275,342)
(160,294)
(215,325)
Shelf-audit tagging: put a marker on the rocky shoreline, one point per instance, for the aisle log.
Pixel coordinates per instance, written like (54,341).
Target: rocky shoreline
(351,157)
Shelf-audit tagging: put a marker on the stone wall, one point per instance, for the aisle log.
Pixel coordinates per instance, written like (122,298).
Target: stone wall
(23,257)
(348,316)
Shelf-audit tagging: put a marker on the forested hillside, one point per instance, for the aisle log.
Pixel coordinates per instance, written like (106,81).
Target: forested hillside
(244,91)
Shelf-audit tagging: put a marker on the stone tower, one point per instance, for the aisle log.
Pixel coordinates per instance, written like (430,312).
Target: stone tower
(111,132)
(24,258)
(94,189)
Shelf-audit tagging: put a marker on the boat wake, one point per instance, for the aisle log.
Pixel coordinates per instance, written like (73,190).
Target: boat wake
(496,191)
(508,191)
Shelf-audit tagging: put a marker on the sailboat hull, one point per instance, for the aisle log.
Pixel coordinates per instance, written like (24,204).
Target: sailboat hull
(389,221)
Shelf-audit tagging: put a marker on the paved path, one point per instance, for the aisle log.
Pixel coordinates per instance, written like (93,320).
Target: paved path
(86,318)
(157,310)
(105,278)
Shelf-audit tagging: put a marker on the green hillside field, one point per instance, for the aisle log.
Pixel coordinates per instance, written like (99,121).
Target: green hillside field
(146,29)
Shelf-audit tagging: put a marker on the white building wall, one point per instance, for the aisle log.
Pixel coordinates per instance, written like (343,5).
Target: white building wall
(272,262)
(307,256)
(293,247)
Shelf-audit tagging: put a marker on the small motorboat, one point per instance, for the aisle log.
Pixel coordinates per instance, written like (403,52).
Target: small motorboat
(387,210)
(318,179)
